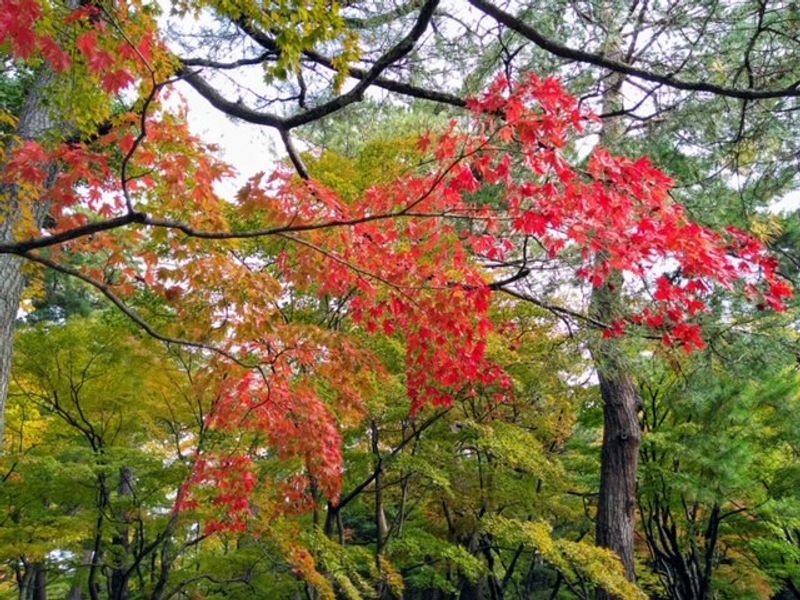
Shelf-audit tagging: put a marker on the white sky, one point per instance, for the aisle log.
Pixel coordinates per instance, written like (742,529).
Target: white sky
(246,147)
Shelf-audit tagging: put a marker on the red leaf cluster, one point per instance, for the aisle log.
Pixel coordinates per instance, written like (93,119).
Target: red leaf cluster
(117,61)
(617,213)
(406,259)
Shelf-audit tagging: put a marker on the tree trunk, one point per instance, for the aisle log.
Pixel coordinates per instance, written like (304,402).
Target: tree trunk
(32,581)
(39,582)
(616,512)
(23,576)
(11,286)
(381,525)
(34,122)
(120,574)
(472,590)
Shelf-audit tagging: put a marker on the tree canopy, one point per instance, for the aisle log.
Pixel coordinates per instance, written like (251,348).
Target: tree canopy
(510,317)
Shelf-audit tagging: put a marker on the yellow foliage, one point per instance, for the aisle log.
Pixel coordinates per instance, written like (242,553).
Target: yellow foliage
(379,162)
(297,25)
(599,565)
(766,227)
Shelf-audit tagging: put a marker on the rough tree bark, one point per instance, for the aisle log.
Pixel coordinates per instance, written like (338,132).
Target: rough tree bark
(616,512)
(34,123)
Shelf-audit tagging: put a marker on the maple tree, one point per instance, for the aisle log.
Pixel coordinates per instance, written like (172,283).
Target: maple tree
(124,199)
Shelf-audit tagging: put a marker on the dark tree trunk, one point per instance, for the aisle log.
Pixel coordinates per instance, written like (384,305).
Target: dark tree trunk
(616,512)
(472,590)
(120,575)
(789,592)
(39,582)
(33,583)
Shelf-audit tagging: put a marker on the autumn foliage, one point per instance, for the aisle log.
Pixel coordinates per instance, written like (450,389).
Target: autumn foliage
(406,260)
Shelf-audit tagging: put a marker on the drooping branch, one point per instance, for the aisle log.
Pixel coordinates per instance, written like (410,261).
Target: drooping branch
(391,85)
(213,64)
(24,246)
(106,290)
(555,309)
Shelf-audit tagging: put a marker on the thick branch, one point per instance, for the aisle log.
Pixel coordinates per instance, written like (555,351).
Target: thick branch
(271,46)
(294,155)
(600,60)
(24,246)
(234,109)
(242,62)
(399,87)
